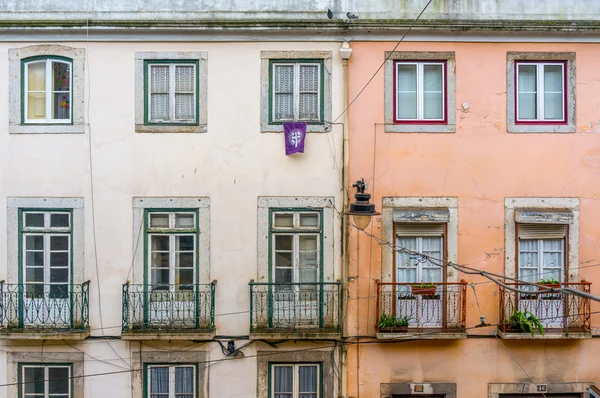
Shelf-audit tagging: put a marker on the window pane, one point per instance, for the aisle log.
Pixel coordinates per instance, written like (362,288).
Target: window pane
(184,107)
(184,221)
(432,92)
(36,76)
(160,242)
(308,251)
(309,106)
(283,90)
(406,270)
(553,92)
(59,259)
(284,220)
(283,259)
(34,380)
(35,259)
(185,81)
(283,242)
(59,243)
(34,291)
(283,378)
(309,89)
(34,274)
(283,275)
(159,106)
(185,242)
(159,380)
(58,380)
(159,220)
(34,242)
(61,76)
(528,260)
(59,220)
(184,380)
(527,95)
(160,276)
(59,292)
(308,379)
(406,91)
(309,220)
(184,276)
(34,220)
(58,275)
(36,106)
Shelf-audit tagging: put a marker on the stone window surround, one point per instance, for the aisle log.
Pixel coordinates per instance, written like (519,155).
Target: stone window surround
(265,57)
(512,204)
(326,203)
(387,230)
(202,75)
(77,246)
(198,358)
(76,359)
(15,57)
(389,90)
(388,390)
(495,389)
(513,127)
(202,204)
(266,358)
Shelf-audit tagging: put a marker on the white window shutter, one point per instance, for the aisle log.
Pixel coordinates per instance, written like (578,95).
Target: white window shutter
(309,92)
(159,92)
(419,229)
(185,88)
(283,102)
(542,231)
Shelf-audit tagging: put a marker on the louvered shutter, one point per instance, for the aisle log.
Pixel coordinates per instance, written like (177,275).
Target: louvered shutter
(185,87)
(419,229)
(542,231)
(283,102)
(159,92)
(309,92)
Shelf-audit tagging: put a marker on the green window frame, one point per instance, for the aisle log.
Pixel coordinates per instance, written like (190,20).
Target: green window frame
(51,385)
(295,389)
(298,88)
(171,88)
(172,380)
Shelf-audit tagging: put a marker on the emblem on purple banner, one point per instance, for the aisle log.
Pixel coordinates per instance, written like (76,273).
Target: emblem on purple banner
(294,133)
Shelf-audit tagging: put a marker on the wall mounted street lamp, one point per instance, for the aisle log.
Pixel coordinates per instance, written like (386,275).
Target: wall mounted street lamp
(362,209)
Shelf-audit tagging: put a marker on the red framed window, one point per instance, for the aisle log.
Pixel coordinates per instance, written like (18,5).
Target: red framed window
(420,92)
(541,92)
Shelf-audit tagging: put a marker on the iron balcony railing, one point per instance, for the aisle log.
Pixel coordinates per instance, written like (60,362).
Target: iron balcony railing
(440,307)
(149,307)
(295,307)
(38,306)
(558,312)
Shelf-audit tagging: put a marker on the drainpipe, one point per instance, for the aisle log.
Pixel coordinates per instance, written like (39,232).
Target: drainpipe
(345,53)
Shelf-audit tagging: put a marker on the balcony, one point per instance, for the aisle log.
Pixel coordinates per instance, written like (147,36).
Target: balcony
(564,316)
(295,310)
(437,313)
(168,312)
(44,311)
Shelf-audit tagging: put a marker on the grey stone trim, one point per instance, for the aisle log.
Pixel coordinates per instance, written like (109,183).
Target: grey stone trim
(198,358)
(552,205)
(391,204)
(495,389)
(16,203)
(415,389)
(202,72)
(265,56)
(75,358)
(511,124)
(15,56)
(325,203)
(200,203)
(449,57)
(265,358)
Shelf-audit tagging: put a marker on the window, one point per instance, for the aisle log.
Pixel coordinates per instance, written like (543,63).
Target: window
(541,252)
(296,91)
(296,240)
(172,95)
(295,380)
(47,90)
(425,239)
(171,92)
(296,86)
(420,92)
(171,381)
(51,381)
(48,96)
(540,92)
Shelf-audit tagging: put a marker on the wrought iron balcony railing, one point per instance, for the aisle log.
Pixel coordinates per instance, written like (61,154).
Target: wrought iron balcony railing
(558,312)
(39,307)
(441,307)
(295,307)
(149,307)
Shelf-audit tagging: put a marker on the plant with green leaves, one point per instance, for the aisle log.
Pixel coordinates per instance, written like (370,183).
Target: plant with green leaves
(429,285)
(550,281)
(390,320)
(526,321)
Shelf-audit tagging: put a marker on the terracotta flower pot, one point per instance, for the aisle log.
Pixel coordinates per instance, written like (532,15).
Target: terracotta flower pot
(394,329)
(429,291)
(551,285)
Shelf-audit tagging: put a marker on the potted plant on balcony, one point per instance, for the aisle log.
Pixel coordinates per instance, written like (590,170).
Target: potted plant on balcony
(424,289)
(393,323)
(523,322)
(552,283)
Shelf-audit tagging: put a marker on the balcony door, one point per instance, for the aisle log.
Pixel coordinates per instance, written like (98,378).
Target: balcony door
(46,269)
(542,257)
(172,254)
(426,311)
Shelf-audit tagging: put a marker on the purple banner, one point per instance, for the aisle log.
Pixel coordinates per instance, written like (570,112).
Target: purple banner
(294,133)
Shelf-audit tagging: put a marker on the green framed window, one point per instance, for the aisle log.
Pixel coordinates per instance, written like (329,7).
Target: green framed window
(295,380)
(47,90)
(171,90)
(296,240)
(172,249)
(171,381)
(296,91)
(45,381)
